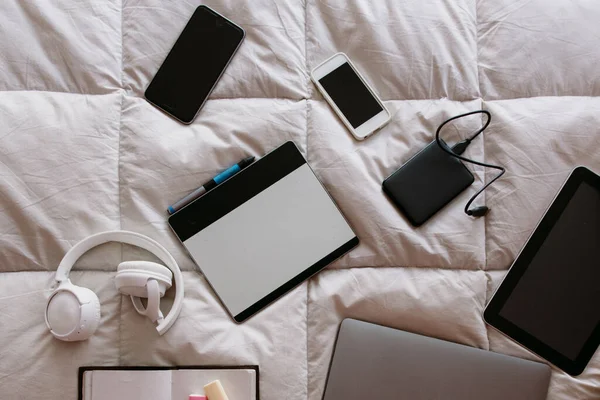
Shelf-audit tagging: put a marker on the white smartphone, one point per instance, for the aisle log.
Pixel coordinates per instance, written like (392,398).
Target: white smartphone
(352,99)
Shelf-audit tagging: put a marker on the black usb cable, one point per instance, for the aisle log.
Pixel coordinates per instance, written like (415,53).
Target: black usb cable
(459,148)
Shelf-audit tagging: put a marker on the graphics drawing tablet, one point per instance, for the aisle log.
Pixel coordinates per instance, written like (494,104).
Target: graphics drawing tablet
(263,232)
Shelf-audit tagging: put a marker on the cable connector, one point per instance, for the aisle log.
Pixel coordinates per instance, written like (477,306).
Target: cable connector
(460,147)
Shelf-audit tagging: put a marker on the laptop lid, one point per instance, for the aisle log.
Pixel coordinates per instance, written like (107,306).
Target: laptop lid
(375,362)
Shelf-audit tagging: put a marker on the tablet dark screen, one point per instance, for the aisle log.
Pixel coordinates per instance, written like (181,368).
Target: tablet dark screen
(557,299)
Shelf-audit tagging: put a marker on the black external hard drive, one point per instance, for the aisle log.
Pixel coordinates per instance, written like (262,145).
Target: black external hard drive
(426,183)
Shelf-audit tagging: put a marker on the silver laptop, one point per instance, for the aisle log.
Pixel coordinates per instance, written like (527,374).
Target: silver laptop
(375,362)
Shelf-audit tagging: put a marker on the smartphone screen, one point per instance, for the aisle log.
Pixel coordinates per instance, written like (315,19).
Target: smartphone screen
(350,95)
(194,65)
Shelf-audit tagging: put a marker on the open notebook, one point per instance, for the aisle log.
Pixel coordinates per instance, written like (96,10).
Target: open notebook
(176,383)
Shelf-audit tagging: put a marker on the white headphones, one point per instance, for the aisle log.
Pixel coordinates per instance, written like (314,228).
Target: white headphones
(73,312)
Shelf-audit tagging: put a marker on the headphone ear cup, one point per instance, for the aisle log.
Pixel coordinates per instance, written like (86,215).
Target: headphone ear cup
(73,312)
(133,276)
(144,279)
(92,316)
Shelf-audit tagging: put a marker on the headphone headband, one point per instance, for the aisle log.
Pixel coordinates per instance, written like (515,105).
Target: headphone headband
(135,239)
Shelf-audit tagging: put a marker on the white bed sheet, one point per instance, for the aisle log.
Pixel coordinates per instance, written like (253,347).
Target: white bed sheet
(82,152)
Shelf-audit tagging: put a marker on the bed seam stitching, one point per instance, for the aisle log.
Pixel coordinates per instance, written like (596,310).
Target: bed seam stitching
(307,110)
(483,141)
(488,283)
(306,327)
(423,267)
(307,77)
(477,51)
(483,137)
(121,90)
(456,100)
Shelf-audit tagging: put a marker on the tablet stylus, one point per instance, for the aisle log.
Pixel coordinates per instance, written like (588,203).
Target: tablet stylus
(217,180)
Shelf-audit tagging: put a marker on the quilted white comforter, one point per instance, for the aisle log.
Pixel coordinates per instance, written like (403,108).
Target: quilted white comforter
(81,152)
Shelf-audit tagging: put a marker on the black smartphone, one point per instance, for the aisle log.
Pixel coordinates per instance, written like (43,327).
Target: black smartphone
(194,65)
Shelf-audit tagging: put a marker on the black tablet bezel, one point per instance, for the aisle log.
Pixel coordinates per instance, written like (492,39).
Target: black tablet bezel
(492,311)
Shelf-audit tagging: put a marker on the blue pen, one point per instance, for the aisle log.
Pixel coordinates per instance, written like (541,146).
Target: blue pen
(217,180)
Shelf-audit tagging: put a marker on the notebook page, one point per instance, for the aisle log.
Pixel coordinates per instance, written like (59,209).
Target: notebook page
(87,384)
(131,385)
(239,384)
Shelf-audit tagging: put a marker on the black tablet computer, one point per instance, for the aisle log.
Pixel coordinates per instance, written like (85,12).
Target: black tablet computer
(549,300)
